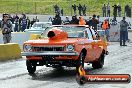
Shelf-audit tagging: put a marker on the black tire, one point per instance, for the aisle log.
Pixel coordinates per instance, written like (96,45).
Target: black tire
(30,67)
(99,63)
(80,61)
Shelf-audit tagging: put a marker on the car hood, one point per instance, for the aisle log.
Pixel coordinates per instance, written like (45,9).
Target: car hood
(47,41)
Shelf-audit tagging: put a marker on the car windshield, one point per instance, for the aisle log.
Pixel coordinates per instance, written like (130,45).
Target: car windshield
(73,31)
(41,25)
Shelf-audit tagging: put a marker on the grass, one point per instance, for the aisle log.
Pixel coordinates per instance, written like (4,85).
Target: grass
(46,6)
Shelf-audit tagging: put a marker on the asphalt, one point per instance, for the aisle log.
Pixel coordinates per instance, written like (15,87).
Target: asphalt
(13,74)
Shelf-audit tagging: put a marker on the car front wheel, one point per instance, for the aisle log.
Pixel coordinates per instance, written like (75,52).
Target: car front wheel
(99,63)
(80,61)
(30,67)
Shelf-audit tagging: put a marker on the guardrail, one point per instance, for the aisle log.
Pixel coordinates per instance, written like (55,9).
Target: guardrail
(9,51)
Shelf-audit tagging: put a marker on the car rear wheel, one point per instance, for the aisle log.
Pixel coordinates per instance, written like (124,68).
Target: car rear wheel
(99,63)
(80,61)
(30,67)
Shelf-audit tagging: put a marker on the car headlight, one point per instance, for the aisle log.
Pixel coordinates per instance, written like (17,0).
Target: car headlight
(70,48)
(27,48)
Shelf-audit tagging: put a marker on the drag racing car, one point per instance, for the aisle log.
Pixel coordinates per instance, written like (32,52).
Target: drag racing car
(65,45)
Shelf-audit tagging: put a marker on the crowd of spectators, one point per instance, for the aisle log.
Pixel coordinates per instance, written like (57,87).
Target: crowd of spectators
(21,22)
(81,9)
(117,10)
(75,20)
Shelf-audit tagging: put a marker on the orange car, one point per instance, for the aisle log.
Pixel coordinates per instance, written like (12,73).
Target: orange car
(65,45)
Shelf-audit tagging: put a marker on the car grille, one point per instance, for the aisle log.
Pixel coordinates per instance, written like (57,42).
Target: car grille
(48,48)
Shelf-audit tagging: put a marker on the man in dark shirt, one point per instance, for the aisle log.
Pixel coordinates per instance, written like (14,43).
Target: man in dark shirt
(57,20)
(74,20)
(93,22)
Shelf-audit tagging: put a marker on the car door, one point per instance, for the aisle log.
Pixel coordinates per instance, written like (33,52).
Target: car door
(97,45)
(89,46)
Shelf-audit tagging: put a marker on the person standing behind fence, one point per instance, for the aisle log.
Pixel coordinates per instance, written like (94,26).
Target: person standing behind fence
(126,10)
(123,31)
(6,27)
(119,10)
(106,26)
(80,9)
(104,10)
(108,10)
(115,10)
(74,8)
(84,10)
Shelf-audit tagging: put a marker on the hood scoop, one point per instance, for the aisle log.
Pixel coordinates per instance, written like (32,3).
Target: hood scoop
(57,34)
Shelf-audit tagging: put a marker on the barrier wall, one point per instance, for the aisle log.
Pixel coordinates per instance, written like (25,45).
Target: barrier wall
(17,37)
(9,51)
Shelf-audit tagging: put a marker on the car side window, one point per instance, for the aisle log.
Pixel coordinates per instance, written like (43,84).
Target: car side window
(89,34)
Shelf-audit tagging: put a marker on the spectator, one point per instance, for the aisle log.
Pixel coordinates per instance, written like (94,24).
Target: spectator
(106,26)
(104,10)
(74,20)
(84,10)
(6,27)
(80,9)
(119,10)
(67,21)
(10,18)
(32,22)
(81,21)
(123,31)
(50,19)
(20,28)
(16,22)
(56,8)
(88,21)
(129,12)
(13,19)
(28,23)
(108,10)
(16,16)
(74,8)
(57,20)
(126,10)
(93,22)
(36,19)
(115,10)
(23,23)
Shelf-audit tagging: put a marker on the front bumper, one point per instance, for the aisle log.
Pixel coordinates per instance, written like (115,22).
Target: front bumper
(51,53)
